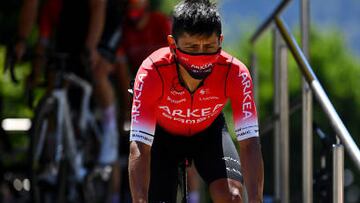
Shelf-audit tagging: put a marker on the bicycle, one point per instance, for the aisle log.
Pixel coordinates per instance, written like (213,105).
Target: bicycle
(64,146)
(183,183)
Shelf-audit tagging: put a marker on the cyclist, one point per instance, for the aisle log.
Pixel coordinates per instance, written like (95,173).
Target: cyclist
(49,20)
(144,31)
(104,91)
(76,28)
(179,93)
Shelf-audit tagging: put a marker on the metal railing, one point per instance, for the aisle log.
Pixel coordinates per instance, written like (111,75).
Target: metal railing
(263,27)
(311,83)
(319,92)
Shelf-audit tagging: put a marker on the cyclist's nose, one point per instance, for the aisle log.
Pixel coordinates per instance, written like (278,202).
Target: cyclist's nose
(201,49)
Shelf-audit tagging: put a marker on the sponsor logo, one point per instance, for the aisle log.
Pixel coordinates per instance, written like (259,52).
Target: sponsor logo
(177,93)
(247,104)
(204,91)
(254,129)
(174,101)
(141,137)
(190,116)
(203,67)
(139,85)
(209,98)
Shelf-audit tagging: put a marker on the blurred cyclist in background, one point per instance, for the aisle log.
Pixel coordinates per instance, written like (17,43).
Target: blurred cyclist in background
(144,31)
(75,28)
(59,31)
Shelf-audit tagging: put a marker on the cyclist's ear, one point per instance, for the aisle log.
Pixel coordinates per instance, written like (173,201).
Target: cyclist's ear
(221,39)
(172,43)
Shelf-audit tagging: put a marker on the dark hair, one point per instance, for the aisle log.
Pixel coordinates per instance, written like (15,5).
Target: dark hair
(196,17)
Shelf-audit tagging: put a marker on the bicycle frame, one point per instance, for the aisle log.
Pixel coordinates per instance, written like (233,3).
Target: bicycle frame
(65,142)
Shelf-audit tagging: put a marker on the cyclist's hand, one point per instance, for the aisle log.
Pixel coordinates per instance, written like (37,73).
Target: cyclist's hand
(126,127)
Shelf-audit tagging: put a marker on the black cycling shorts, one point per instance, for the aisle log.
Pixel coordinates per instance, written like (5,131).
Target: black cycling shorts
(212,152)
(112,32)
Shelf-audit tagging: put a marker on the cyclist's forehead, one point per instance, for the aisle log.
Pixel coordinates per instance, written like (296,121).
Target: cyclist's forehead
(187,39)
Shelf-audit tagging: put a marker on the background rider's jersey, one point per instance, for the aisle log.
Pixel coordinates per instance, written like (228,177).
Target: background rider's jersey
(161,99)
(138,44)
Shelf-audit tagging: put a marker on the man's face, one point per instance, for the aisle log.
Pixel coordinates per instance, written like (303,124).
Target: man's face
(197,54)
(199,43)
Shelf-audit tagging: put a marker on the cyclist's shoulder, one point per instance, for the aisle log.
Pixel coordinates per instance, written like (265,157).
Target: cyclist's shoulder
(160,58)
(158,16)
(231,61)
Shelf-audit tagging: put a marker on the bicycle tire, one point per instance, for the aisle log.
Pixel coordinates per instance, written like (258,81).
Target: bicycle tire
(97,189)
(97,185)
(182,182)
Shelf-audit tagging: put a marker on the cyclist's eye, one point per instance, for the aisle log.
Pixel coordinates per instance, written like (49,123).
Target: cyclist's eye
(209,48)
(193,47)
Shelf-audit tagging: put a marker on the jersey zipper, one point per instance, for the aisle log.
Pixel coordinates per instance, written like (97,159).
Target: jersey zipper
(190,92)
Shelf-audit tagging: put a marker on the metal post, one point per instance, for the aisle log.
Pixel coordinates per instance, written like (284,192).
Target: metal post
(307,111)
(284,124)
(277,144)
(338,173)
(281,110)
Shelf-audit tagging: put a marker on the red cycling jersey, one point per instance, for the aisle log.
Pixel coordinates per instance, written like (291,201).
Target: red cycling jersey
(49,17)
(137,44)
(160,98)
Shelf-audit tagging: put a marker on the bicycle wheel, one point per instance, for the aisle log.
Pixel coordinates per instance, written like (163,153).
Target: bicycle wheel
(48,169)
(97,185)
(182,182)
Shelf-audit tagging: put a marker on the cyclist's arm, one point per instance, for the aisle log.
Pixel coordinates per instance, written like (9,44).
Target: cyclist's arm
(27,19)
(96,23)
(240,91)
(139,171)
(48,18)
(37,64)
(147,92)
(252,168)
